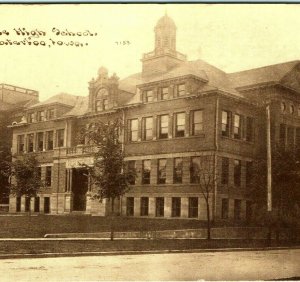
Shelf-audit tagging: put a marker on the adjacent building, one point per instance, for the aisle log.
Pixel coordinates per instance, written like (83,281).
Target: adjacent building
(179,115)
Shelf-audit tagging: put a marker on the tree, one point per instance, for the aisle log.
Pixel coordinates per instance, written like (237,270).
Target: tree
(285,189)
(27,178)
(108,175)
(205,173)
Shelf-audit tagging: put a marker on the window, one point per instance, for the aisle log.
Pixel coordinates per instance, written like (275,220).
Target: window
(149,96)
(177,174)
(290,137)
(195,168)
(31,117)
(225,205)
(148,128)
(146,172)
(37,204)
(292,109)
(237,209)
(98,106)
(18,204)
(49,135)
(47,205)
(298,111)
(283,107)
(27,204)
(20,144)
(298,137)
(193,207)
(60,137)
(176,207)
(161,176)
(163,126)
(131,169)
(133,130)
(105,104)
(48,176)
(51,113)
(179,125)
(237,127)
(159,207)
(40,141)
(225,171)
(129,206)
(249,171)
(164,93)
(225,123)
(248,211)
(249,129)
(41,116)
(180,90)
(30,142)
(144,206)
(282,132)
(39,173)
(197,122)
(237,172)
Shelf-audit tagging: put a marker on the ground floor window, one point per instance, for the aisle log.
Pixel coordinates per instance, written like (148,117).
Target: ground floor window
(248,210)
(37,204)
(159,210)
(176,207)
(193,207)
(129,206)
(27,204)
(224,208)
(144,206)
(47,205)
(237,209)
(18,204)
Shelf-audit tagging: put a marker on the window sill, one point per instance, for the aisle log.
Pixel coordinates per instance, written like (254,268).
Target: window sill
(238,140)
(167,139)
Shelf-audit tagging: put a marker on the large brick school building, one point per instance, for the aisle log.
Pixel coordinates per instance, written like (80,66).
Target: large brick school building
(175,112)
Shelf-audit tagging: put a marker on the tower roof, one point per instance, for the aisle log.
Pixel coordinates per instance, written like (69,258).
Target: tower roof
(165,21)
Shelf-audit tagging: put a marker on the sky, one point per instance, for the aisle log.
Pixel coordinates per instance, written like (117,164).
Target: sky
(232,37)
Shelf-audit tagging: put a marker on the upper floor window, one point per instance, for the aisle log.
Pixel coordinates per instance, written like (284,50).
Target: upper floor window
(225,123)
(283,107)
(225,171)
(146,172)
(292,109)
(195,169)
(105,104)
(51,113)
(60,137)
(237,172)
(48,176)
(161,177)
(237,130)
(30,138)
(148,128)
(177,174)
(249,172)
(179,125)
(98,106)
(40,141)
(131,169)
(149,96)
(163,123)
(197,122)
(41,116)
(49,140)
(180,90)
(133,130)
(249,129)
(20,144)
(31,117)
(164,93)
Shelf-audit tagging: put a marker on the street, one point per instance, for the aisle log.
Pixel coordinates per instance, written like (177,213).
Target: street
(243,265)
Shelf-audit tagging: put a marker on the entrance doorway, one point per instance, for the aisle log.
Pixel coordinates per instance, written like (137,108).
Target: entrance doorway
(79,189)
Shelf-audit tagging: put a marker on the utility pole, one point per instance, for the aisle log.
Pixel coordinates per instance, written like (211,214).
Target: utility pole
(269,159)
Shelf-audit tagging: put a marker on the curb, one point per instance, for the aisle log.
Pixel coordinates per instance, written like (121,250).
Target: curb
(117,253)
